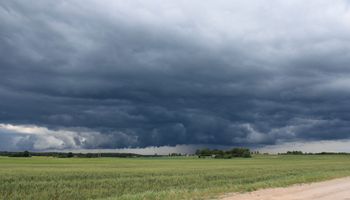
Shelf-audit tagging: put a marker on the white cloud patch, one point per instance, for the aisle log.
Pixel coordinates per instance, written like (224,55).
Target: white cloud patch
(31,137)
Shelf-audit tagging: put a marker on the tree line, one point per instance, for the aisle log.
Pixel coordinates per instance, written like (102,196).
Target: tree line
(320,153)
(216,153)
(69,154)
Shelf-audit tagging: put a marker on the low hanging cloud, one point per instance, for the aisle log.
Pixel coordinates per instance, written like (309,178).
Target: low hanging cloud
(19,137)
(114,74)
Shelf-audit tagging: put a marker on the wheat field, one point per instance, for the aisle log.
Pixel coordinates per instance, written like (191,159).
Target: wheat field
(43,178)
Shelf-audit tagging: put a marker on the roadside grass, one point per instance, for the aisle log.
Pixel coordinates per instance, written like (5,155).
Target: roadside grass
(41,178)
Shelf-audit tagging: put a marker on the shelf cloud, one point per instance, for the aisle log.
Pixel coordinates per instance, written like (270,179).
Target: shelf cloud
(115,74)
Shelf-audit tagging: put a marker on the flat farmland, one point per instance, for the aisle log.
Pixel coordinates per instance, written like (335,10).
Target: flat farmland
(39,178)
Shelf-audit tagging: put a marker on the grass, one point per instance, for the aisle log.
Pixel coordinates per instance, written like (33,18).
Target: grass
(40,178)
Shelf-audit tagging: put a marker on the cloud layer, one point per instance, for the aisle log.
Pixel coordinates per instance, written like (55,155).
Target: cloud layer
(113,74)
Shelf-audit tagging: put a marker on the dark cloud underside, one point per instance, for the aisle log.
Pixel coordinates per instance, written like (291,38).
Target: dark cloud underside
(110,74)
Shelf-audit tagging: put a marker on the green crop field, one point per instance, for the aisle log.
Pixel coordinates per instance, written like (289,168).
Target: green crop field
(158,178)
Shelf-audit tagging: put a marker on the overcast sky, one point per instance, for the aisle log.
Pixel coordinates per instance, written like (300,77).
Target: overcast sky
(106,74)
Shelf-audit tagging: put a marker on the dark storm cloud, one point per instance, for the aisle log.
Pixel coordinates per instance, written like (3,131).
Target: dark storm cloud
(108,74)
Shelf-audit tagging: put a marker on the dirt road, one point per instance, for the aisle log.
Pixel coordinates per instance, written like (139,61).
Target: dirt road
(337,189)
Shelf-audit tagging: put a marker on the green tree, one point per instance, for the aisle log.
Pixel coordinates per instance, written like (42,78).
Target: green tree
(26,154)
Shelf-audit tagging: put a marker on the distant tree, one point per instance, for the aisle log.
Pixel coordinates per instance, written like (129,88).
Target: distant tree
(174,154)
(240,152)
(20,154)
(294,153)
(70,155)
(90,155)
(26,154)
(236,152)
(206,152)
